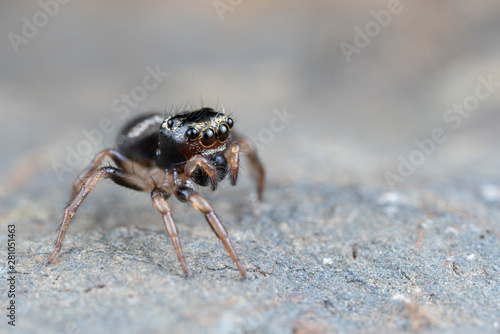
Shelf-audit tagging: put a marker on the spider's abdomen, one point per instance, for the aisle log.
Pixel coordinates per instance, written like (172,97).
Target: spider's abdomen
(138,140)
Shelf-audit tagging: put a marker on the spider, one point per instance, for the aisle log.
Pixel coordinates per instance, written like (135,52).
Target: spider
(170,156)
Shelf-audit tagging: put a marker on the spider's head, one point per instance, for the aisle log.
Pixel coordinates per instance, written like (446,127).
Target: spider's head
(202,132)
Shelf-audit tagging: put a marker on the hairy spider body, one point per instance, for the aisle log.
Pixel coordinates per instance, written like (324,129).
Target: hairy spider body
(171,156)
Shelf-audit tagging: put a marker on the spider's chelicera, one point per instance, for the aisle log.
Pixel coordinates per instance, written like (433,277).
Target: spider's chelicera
(170,156)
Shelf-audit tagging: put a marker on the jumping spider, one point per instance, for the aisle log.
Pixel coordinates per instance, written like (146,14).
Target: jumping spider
(170,156)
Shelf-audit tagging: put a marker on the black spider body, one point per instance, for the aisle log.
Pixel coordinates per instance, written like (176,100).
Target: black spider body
(169,156)
(153,139)
(138,140)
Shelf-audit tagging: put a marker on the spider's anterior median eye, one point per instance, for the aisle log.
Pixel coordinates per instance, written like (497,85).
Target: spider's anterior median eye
(192,134)
(230,122)
(170,123)
(208,138)
(223,133)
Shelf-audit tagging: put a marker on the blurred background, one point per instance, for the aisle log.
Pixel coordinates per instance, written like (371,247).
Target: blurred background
(358,83)
(343,99)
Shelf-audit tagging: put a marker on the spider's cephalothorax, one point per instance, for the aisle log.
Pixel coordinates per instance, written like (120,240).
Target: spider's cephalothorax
(204,132)
(183,136)
(169,156)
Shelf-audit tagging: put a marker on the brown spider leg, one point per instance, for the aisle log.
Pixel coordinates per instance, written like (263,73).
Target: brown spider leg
(161,205)
(120,160)
(234,162)
(204,164)
(201,204)
(248,147)
(117,175)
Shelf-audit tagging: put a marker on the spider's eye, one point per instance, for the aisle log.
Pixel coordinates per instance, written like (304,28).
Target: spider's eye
(192,134)
(230,122)
(208,138)
(223,133)
(170,123)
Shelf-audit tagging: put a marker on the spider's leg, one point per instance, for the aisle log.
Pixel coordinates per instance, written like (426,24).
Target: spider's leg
(203,163)
(245,145)
(120,160)
(117,175)
(185,194)
(234,161)
(161,205)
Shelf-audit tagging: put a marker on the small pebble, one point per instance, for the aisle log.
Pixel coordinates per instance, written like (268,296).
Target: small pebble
(490,192)
(327,261)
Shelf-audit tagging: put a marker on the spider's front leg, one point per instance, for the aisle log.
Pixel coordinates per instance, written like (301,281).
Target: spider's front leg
(205,165)
(185,194)
(160,203)
(243,144)
(118,176)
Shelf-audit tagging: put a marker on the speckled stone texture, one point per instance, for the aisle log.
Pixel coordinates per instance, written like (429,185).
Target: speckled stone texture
(319,259)
(333,248)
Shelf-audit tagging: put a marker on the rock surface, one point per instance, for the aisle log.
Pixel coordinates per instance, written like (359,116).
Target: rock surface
(319,258)
(334,247)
